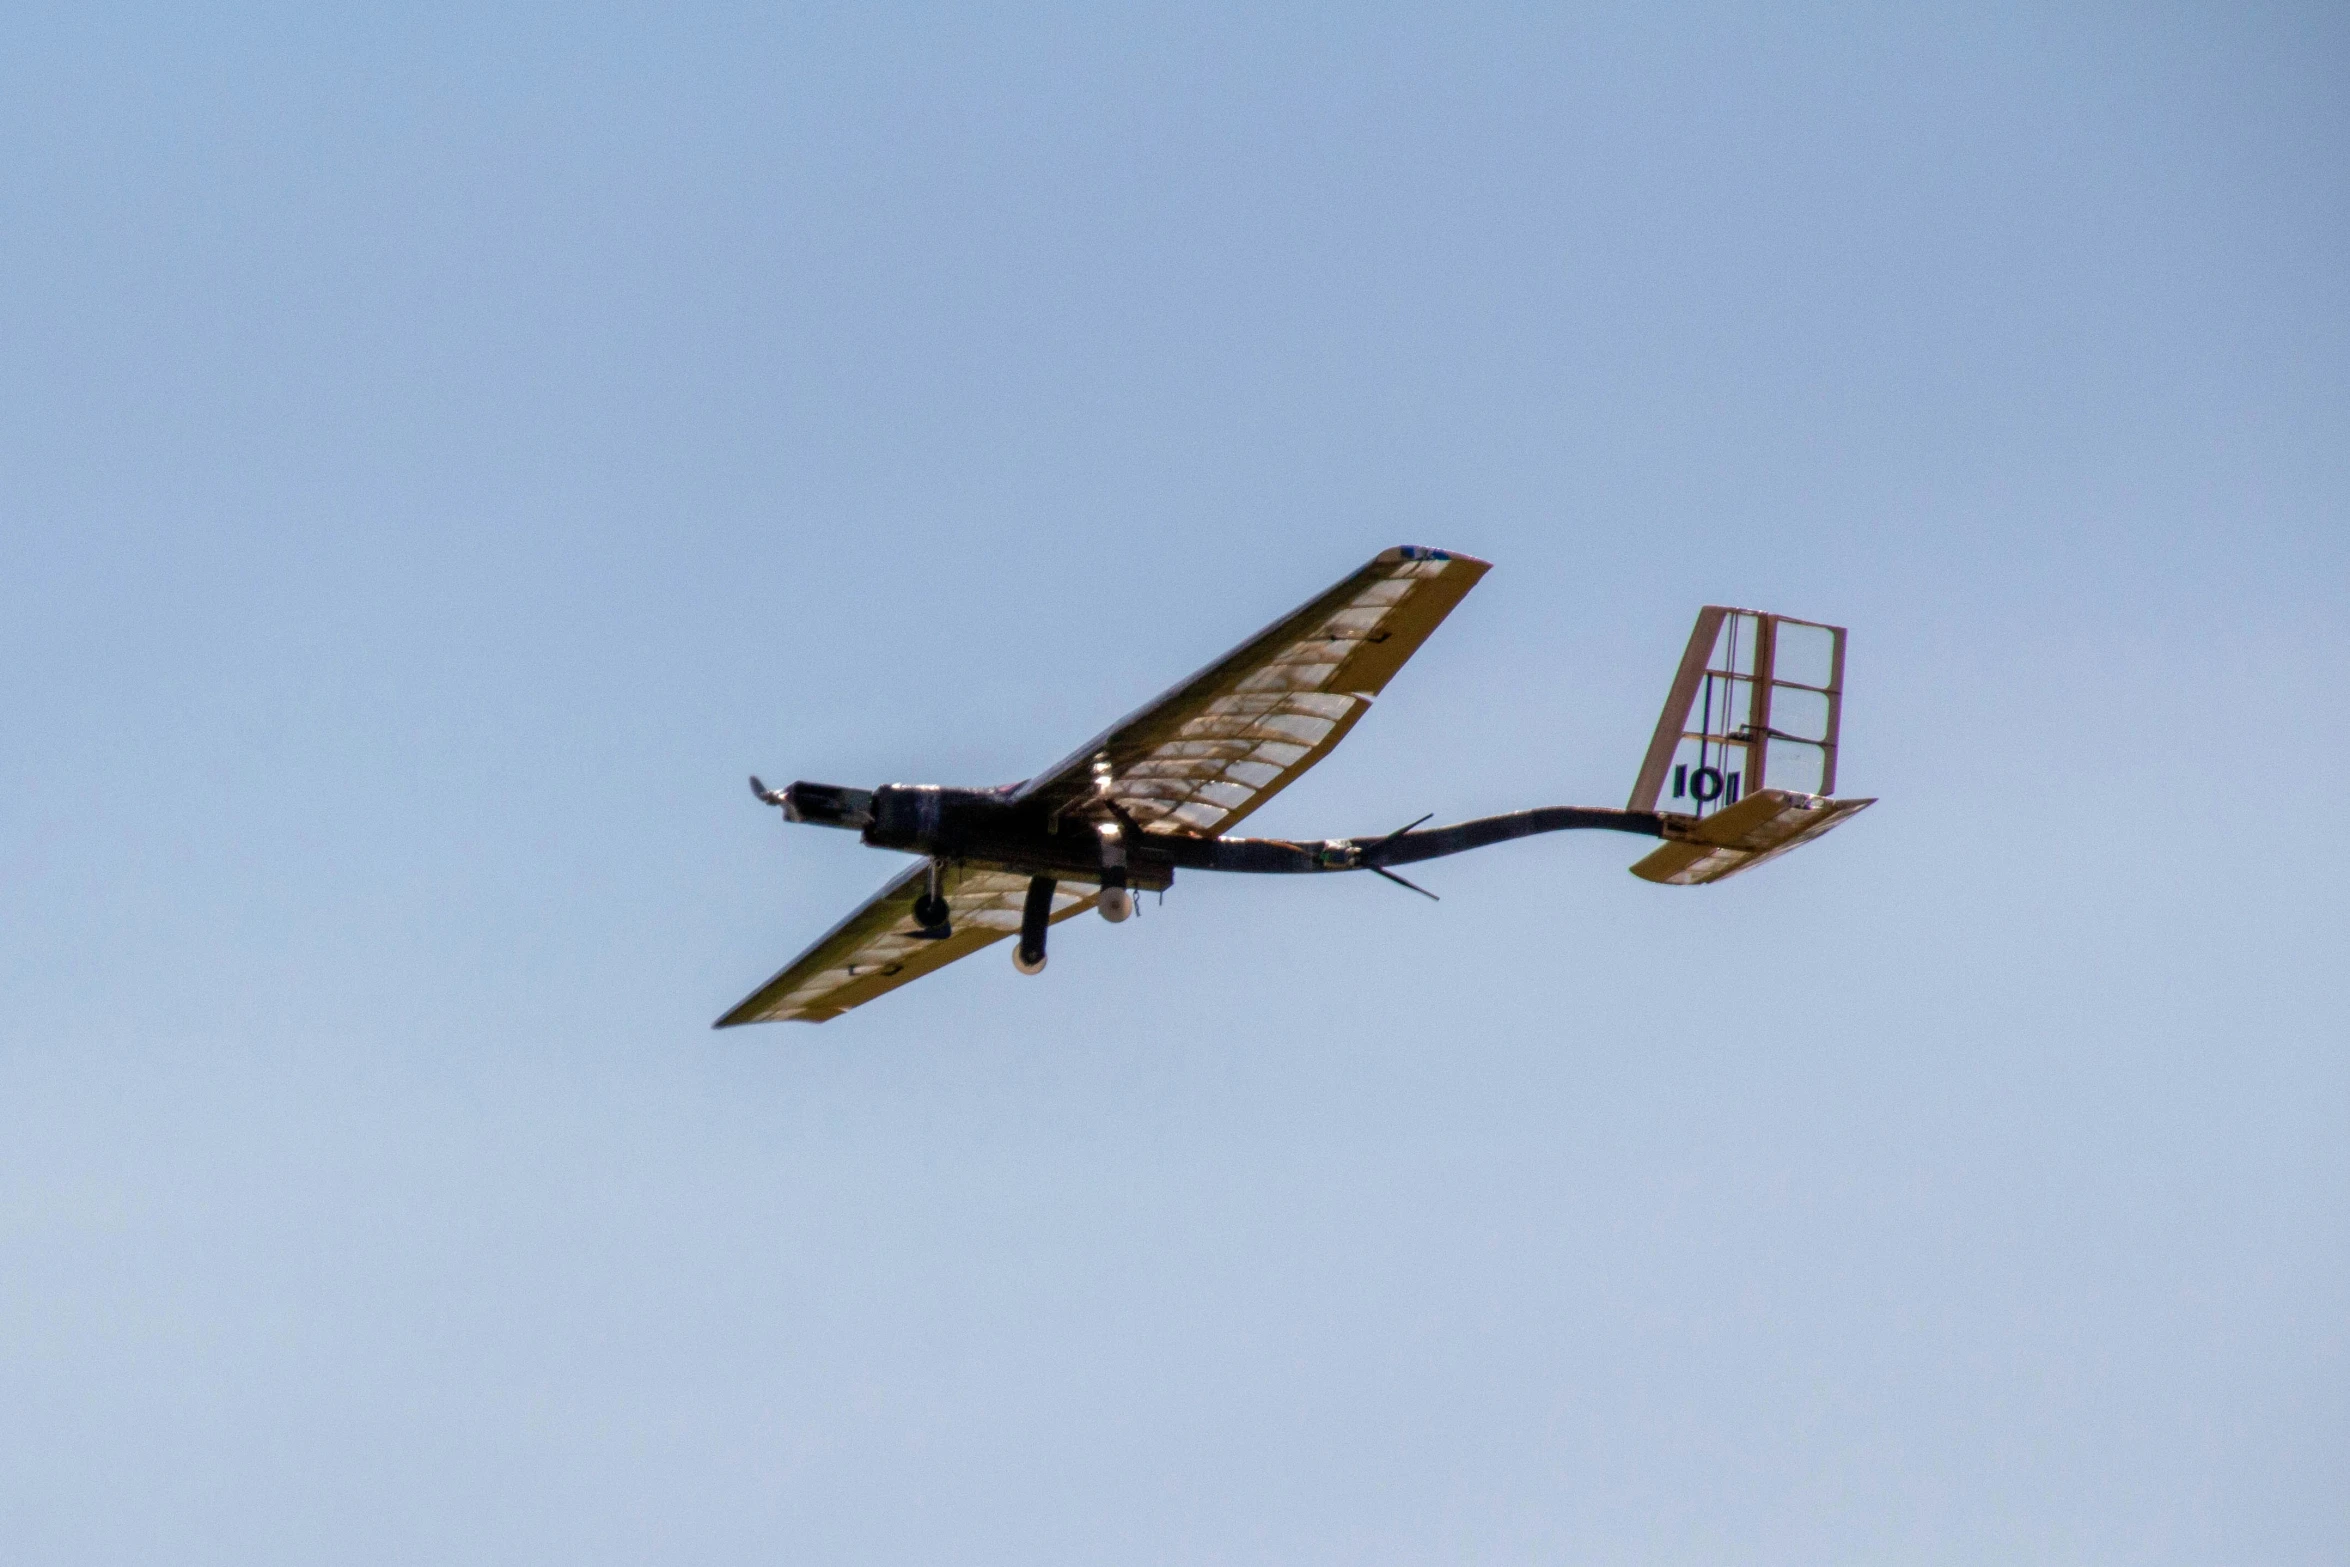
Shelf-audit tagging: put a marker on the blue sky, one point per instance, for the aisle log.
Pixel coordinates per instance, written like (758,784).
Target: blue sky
(442,453)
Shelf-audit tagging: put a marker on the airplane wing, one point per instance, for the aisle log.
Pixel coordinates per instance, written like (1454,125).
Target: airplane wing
(1213,749)
(875,949)
(1193,762)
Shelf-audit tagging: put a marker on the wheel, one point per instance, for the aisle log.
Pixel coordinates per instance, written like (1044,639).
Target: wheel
(1036,918)
(930,912)
(1116,903)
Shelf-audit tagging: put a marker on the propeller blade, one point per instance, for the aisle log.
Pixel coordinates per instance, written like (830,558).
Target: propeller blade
(1400,882)
(1377,844)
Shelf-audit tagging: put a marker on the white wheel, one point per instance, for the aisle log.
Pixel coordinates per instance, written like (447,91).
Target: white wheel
(1116,903)
(1021,963)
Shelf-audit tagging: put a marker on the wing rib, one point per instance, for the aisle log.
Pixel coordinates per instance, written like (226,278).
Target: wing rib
(1206,753)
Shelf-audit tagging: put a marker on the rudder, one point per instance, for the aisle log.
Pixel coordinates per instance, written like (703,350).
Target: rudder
(1743,761)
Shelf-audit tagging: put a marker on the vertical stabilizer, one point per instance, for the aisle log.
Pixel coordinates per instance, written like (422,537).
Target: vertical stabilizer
(1756,704)
(1743,760)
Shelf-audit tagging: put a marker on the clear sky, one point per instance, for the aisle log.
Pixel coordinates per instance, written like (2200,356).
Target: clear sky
(441,453)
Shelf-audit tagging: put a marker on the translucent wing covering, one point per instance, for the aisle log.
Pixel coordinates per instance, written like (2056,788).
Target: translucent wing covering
(875,949)
(1756,704)
(1222,743)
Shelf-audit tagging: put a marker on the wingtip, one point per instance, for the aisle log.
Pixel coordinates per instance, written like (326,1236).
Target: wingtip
(736,1019)
(1403,552)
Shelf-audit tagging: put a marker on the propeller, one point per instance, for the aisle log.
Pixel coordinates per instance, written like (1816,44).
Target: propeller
(1372,848)
(1368,858)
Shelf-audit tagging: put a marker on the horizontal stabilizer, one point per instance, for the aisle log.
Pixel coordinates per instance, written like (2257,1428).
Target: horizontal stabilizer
(1766,823)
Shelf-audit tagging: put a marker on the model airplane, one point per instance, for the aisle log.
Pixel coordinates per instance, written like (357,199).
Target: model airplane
(1159,790)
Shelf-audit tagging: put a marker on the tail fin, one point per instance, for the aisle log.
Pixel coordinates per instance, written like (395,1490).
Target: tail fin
(1747,742)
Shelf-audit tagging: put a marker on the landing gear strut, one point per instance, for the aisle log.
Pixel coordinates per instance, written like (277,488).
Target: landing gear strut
(930,910)
(1116,902)
(1036,915)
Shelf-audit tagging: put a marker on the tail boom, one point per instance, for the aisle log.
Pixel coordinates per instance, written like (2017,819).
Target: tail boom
(1288,855)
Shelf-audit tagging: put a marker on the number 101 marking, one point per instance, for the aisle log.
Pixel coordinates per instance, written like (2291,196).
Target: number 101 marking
(1705,785)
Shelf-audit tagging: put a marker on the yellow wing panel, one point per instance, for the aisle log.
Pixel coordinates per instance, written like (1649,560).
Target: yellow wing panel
(1222,743)
(1759,827)
(875,950)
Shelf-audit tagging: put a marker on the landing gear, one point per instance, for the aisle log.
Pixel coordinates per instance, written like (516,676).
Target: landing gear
(931,916)
(1115,902)
(1036,915)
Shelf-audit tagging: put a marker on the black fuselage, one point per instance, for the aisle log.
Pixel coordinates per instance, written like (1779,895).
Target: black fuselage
(996,830)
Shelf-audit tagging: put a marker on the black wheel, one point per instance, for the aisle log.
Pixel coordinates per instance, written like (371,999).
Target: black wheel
(1036,916)
(930,912)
